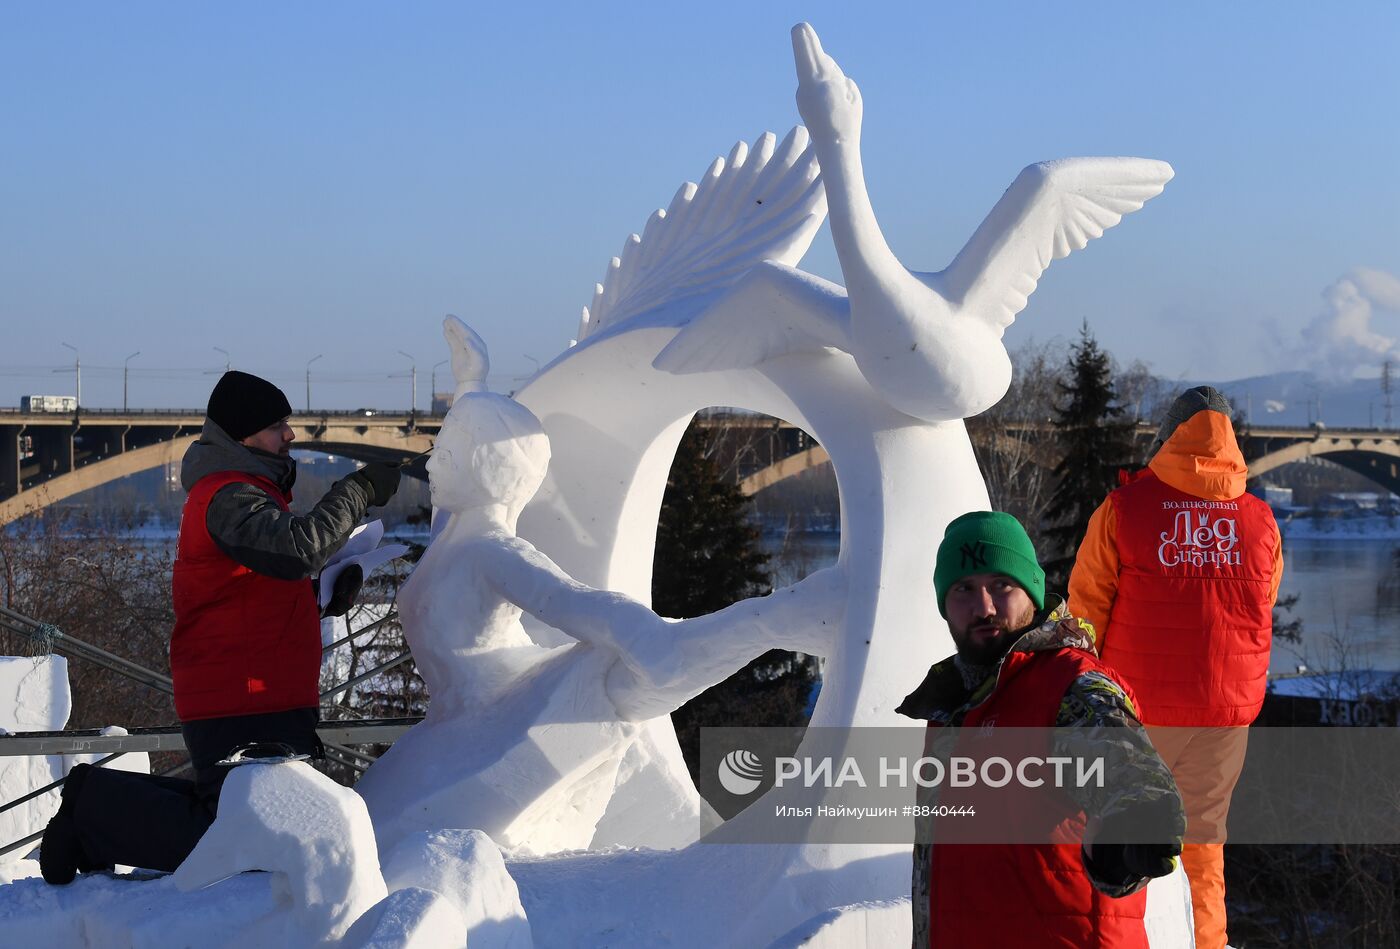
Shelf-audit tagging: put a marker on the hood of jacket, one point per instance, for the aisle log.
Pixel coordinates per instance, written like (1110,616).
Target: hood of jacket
(216,451)
(942,692)
(1202,458)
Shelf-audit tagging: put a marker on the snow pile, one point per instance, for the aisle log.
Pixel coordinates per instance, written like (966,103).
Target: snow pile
(464,867)
(410,918)
(310,832)
(34,697)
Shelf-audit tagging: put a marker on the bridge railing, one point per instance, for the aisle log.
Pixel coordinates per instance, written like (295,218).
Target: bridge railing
(84,411)
(335,736)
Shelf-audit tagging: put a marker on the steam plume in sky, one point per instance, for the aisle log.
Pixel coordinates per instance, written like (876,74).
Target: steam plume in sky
(1341,339)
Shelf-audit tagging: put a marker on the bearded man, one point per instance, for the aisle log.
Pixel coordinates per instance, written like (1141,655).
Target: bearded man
(1023,662)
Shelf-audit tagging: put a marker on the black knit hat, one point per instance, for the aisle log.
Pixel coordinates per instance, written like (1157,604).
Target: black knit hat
(242,404)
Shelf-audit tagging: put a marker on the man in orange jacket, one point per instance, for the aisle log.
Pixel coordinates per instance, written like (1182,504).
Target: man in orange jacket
(1178,573)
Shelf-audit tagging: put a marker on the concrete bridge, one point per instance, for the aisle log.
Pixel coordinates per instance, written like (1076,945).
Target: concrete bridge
(1372,453)
(46,457)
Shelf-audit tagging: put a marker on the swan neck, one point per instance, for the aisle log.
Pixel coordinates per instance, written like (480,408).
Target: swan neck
(860,245)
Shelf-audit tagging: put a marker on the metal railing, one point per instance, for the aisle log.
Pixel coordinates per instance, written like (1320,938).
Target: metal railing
(335,735)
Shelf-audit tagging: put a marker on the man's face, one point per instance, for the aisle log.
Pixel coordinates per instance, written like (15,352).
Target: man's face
(984,612)
(276,439)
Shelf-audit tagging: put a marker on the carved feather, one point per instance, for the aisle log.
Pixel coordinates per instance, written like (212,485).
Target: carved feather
(763,202)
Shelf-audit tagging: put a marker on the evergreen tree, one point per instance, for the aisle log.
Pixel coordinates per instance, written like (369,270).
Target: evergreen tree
(708,556)
(1097,440)
(707,552)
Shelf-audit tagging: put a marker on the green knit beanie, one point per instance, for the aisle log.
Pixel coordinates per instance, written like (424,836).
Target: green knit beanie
(987,542)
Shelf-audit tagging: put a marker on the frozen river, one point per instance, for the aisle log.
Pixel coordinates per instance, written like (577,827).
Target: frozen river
(1348,596)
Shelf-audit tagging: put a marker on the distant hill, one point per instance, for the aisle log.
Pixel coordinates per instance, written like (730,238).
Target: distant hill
(1300,398)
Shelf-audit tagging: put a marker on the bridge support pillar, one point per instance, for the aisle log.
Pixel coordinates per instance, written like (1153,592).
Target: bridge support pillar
(53,450)
(9,459)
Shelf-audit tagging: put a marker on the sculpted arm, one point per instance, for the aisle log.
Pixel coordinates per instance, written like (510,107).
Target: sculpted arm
(657,675)
(663,664)
(536,584)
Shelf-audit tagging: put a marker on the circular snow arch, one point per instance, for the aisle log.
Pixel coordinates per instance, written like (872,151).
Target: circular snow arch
(614,424)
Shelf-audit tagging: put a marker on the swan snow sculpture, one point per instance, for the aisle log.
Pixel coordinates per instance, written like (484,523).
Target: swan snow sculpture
(928,343)
(706,308)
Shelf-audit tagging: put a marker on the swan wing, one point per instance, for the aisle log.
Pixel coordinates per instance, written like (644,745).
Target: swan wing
(1051,209)
(773,311)
(761,203)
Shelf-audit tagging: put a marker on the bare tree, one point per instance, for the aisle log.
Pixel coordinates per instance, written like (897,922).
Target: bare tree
(1014,440)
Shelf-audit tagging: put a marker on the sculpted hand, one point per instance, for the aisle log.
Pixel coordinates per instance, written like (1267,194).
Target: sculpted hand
(829,102)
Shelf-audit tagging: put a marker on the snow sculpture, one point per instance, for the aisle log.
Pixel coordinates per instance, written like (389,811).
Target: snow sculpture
(310,832)
(464,867)
(525,741)
(881,372)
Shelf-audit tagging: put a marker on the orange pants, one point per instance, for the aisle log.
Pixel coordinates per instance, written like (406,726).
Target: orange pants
(1206,763)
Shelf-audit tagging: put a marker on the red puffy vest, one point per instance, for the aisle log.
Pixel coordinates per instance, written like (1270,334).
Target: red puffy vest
(1029,894)
(1192,620)
(243,643)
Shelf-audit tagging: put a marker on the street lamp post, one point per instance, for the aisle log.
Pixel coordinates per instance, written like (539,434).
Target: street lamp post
(228,360)
(432,396)
(126,368)
(308,380)
(77,375)
(413,384)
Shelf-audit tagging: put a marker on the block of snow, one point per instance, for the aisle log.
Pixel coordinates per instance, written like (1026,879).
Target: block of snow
(1169,922)
(34,697)
(313,834)
(466,867)
(410,918)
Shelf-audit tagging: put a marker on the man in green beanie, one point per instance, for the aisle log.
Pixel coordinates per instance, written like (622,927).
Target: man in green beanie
(1023,662)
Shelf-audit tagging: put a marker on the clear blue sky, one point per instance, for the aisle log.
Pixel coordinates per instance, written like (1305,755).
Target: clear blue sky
(287,180)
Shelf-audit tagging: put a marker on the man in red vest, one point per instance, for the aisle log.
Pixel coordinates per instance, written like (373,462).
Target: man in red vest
(1178,573)
(1023,662)
(245,654)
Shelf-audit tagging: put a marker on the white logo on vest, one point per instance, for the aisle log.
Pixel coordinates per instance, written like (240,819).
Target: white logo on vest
(1207,543)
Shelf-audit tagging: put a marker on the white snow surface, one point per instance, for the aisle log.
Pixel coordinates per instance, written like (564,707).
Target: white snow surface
(411,918)
(464,867)
(310,833)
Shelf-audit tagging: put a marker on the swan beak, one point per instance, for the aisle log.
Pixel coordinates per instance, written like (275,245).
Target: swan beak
(807,51)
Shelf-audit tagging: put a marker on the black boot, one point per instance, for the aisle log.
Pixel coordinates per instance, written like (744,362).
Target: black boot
(60,852)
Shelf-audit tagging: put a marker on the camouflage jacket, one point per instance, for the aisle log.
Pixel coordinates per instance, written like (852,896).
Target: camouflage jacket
(1095,716)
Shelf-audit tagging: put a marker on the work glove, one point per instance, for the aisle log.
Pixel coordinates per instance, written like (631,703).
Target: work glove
(382,480)
(347,587)
(1142,841)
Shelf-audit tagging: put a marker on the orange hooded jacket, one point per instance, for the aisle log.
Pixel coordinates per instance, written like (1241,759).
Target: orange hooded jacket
(1183,676)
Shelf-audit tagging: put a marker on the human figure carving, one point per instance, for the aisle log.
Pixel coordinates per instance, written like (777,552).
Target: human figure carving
(520,740)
